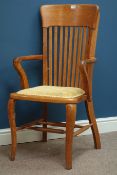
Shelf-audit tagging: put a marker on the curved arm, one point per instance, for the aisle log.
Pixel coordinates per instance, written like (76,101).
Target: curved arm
(85,81)
(17,64)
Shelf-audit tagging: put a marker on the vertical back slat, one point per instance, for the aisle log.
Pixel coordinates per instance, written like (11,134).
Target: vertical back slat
(50,55)
(55,55)
(74,56)
(45,67)
(70,56)
(60,57)
(65,56)
(87,44)
(84,43)
(79,55)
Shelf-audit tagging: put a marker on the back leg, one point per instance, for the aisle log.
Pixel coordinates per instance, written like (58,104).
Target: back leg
(45,114)
(92,119)
(11,116)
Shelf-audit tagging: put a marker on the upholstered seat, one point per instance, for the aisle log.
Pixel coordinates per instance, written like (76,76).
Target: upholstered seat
(53,91)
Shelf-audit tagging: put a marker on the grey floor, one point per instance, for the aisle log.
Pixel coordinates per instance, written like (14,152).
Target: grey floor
(39,158)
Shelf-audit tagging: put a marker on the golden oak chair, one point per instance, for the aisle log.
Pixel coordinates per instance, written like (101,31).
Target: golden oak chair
(69,42)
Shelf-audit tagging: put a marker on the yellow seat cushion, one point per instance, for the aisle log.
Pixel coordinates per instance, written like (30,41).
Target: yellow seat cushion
(52,91)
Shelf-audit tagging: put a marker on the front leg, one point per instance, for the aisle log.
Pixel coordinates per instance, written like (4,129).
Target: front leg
(11,115)
(70,123)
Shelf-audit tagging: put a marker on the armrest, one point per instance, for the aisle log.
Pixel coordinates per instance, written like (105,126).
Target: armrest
(17,64)
(85,81)
(27,58)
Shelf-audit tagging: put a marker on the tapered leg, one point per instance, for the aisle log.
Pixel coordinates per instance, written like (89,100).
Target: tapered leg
(11,115)
(92,119)
(44,136)
(70,122)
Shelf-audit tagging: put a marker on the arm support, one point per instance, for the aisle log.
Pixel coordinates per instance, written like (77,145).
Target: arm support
(18,66)
(86,81)
(89,61)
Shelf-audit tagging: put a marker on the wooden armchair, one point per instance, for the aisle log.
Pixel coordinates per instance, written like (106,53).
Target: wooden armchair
(69,41)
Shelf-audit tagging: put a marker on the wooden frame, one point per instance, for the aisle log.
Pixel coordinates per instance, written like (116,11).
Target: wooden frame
(76,24)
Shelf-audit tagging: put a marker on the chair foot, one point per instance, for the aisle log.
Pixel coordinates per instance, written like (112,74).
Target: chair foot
(68,167)
(92,119)
(11,115)
(12,157)
(70,122)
